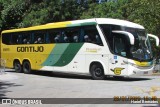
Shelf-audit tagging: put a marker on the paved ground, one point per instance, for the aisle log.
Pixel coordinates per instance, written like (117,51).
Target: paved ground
(48,85)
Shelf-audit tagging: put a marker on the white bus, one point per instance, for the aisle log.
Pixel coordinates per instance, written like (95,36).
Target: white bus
(96,47)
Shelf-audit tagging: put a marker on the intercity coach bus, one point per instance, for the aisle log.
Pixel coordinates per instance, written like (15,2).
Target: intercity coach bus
(96,47)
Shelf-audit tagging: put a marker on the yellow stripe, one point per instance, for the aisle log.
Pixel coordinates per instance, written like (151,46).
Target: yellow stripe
(46,26)
(143,64)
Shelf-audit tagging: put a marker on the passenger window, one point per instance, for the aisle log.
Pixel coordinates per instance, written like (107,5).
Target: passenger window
(65,37)
(91,35)
(26,38)
(16,39)
(19,39)
(6,39)
(39,37)
(71,35)
(54,36)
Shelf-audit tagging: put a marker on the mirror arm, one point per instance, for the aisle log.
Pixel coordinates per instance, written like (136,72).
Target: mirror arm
(155,37)
(131,37)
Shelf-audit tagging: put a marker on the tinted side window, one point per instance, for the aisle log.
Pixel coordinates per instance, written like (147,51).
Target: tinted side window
(53,36)
(71,35)
(6,39)
(91,35)
(26,38)
(39,37)
(15,38)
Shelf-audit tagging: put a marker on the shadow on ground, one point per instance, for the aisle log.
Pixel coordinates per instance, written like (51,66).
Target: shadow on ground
(75,76)
(4,88)
(152,106)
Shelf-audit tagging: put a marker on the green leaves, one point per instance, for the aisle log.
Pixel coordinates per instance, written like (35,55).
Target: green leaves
(106,10)
(146,13)
(25,13)
(13,13)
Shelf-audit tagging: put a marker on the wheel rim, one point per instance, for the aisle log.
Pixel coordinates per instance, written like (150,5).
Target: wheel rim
(26,67)
(17,67)
(98,72)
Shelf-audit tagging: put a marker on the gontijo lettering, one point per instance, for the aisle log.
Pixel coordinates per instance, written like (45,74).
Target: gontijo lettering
(30,49)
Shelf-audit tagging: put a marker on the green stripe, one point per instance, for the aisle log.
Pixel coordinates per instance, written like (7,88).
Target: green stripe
(82,24)
(72,25)
(88,23)
(55,54)
(69,54)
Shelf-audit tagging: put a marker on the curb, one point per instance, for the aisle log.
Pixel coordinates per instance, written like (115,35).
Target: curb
(155,74)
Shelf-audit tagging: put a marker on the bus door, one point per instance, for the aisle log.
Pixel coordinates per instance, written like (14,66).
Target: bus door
(117,66)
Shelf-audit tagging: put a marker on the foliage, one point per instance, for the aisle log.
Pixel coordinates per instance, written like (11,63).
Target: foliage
(108,10)
(51,11)
(146,12)
(24,13)
(13,13)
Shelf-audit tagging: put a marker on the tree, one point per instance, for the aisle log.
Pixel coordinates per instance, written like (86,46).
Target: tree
(146,13)
(106,10)
(12,14)
(49,11)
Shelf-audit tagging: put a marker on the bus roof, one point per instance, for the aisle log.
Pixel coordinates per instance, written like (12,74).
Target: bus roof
(77,23)
(118,22)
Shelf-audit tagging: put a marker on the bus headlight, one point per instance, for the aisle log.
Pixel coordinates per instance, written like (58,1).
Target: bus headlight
(132,64)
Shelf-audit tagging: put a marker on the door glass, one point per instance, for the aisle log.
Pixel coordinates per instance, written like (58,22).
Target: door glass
(119,46)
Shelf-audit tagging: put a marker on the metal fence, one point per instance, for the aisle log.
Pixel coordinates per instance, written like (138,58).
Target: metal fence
(2,65)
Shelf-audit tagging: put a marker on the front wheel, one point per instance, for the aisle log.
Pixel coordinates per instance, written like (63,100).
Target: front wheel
(97,72)
(17,67)
(118,77)
(27,67)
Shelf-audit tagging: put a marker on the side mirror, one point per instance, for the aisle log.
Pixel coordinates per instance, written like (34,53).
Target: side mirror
(131,37)
(155,37)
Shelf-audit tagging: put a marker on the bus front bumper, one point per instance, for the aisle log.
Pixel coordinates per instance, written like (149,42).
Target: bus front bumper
(140,71)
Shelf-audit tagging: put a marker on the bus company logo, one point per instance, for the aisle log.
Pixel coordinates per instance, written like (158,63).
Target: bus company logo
(6,101)
(117,71)
(30,49)
(94,50)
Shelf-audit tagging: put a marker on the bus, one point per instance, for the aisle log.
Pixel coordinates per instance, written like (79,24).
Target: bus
(97,47)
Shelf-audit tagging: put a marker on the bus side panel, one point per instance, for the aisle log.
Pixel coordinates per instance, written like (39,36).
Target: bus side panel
(117,65)
(78,64)
(96,53)
(40,57)
(6,55)
(35,54)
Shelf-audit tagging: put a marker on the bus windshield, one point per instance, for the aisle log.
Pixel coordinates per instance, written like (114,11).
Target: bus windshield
(140,51)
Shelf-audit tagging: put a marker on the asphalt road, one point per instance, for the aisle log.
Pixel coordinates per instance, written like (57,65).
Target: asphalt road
(49,85)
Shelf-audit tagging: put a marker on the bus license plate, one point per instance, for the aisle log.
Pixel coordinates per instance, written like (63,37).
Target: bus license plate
(146,72)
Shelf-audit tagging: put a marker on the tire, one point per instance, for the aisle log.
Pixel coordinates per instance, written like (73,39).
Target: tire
(97,72)
(26,67)
(118,77)
(18,67)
